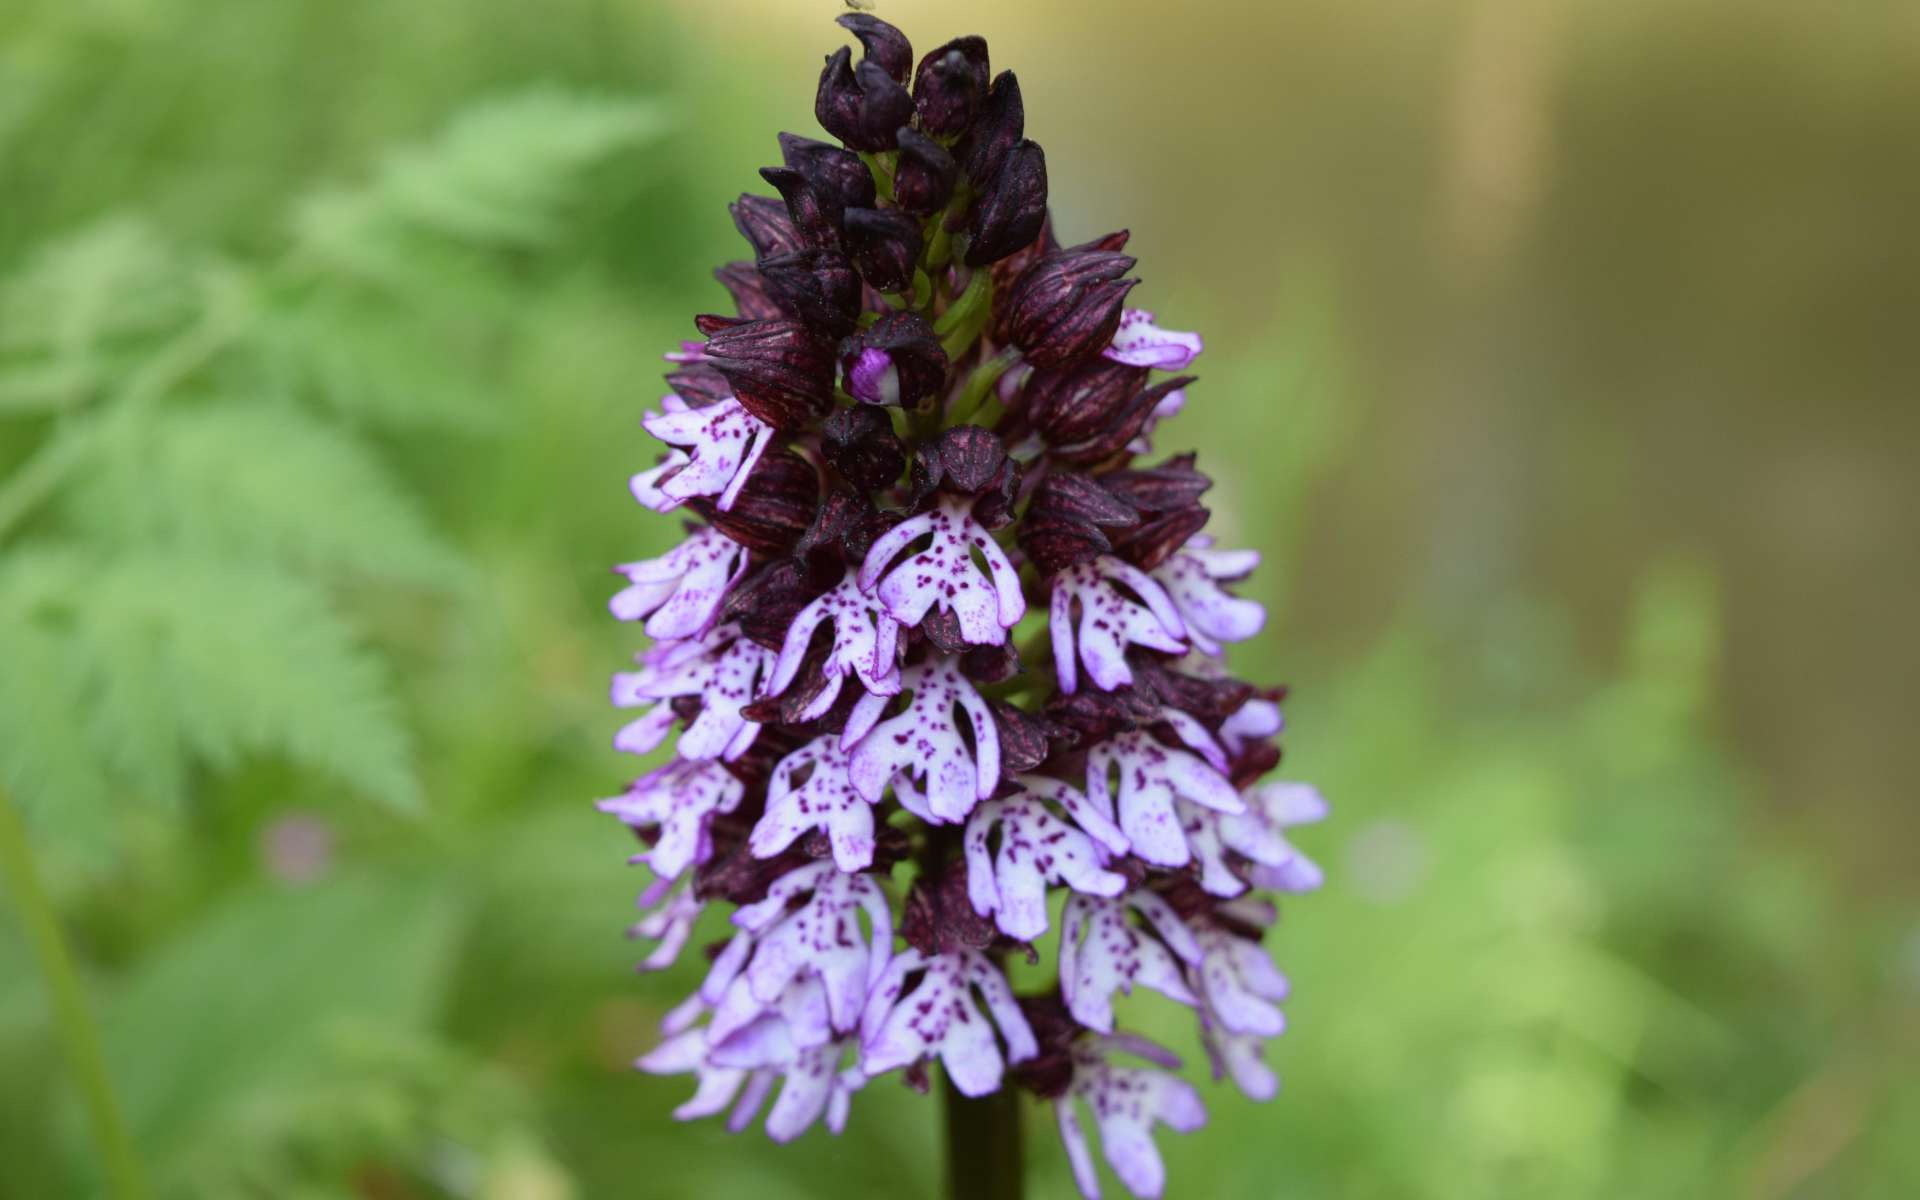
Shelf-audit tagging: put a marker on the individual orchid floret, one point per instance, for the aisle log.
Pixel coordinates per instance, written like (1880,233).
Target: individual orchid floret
(1239,983)
(866,640)
(680,800)
(924,743)
(1125,1102)
(1273,807)
(719,443)
(984,606)
(1257,718)
(1036,848)
(1239,1056)
(809,789)
(721,668)
(673,909)
(680,593)
(1213,615)
(1102,952)
(1152,777)
(938,1017)
(1138,342)
(1110,620)
(808,926)
(1262,854)
(739,1074)
(646,486)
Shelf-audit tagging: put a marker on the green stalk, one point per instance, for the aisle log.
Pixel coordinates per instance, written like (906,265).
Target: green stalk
(984,1145)
(79,1035)
(968,315)
(979,386)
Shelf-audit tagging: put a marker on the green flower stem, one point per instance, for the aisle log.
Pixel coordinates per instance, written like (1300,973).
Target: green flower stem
(968,315)
(79,1035)
(979,386)
(984,1145)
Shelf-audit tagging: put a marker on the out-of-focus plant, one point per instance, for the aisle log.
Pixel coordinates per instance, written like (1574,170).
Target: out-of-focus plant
(204,489)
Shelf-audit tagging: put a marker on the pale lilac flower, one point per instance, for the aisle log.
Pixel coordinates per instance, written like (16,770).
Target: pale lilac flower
(721,443)
(1253,720)
(680,592)
(1110,621)
(1036,849)
(1140,343)
(721,667)
(939,1018)
(1152,777)
(1239,983)
(1240,1056)
(924,743)
(866,641)
(1116,955)
(1213,615)
(809,789)
(689,352)
(806,929)
(646,486)
(984,606)
(674,909)
(741,1071)
(1125,1102)
(1085,814)
(1265,857)
(680,798)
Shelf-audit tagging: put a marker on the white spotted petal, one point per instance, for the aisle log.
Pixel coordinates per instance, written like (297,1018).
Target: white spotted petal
(866,641)
(984,606)
(1152,777)
(938,1017)
(681,799)
(1138,342)
(923,745)
(1109,621)
(1036,849)
(679,594)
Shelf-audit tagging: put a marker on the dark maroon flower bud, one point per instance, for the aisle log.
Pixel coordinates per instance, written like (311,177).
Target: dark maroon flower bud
(861,444)
(1001,123)
(885,45)
(1064,522)
(843,532)
(836,174)
(897,362)
(815,214)
(1259,757)
(942,628)
(748,289)
(699,384)
(1049,1073)
(736,876)
(990,664)
(818,287)
(1211,700)
(1067,306)
(1026,739)
(1069,405)
(764,222)
(863,105)
(923,181)
(885,244)
(766,603)
(950,85)
(1169,494)
(939,919)
(779,501)
(1011,210)
(967,460)
(779,368)
(1095,715)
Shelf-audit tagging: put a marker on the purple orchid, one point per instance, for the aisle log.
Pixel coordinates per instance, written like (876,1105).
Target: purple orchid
(1212,615)
(680,593)
(1126,1102)
(679,799)
(718,446)
(924,742)
(866,640)
(1138,342)
(944,575)
(1036,848)
(1152,777)
(810,789)
(938,1017)
(920,430)
(1116,955)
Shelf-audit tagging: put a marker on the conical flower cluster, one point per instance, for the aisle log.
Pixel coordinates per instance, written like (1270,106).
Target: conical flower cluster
(939,658)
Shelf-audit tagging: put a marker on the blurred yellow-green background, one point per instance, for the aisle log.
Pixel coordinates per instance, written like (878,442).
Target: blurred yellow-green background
(1562,361)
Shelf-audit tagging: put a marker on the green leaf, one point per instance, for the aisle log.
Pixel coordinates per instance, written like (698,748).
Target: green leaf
(265,482)
(113,278)
(162,662)
(498,176)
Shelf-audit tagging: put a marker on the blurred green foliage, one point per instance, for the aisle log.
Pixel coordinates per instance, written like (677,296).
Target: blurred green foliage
(323,336)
